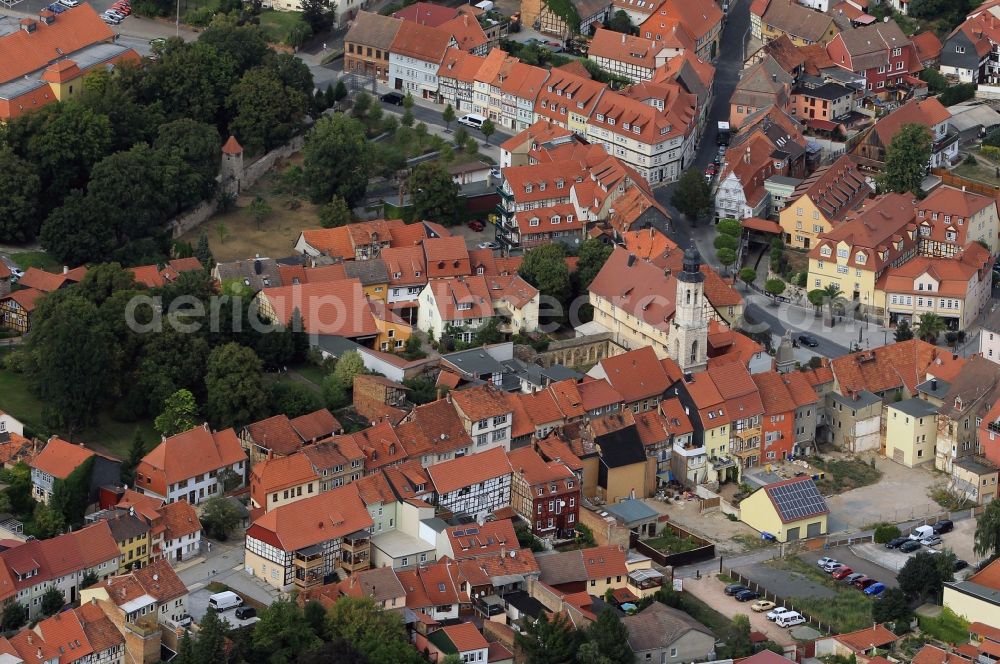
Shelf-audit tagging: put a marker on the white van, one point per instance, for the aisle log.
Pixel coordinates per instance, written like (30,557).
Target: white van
(790,619)
(921,532)
(473,120)
(224,601)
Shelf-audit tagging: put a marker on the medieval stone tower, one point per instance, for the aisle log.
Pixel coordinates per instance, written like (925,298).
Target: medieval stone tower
(232,166)
(691,325)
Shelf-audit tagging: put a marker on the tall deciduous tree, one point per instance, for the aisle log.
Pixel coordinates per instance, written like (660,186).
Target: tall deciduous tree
(592,257)
(77,232)
(282,633)
(488,130)
(180,413)
(608,638)
(906,160)
(448,115)
(236,394)
(334,214)
(210,647)
(219,516)
(198,146)
(922,576)
(266,112)
(544,267)
(548,641)
(987,540)
(434,194)
(378,635)
(20,187)
(335,160)
(74,360)
(692,195)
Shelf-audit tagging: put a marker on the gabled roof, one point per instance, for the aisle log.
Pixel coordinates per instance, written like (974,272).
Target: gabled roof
(373,30)
(797,20)
(379,583)
(327,516)
(480,402)
(317,424)
(869,45)
(636,374)
(865,639)
(272,475)
(927,112)
(187,454)
(426,13)
(837,189)
(23,52)
(60,458)
(179,520)
(337,308)
(47,282)
(275,434)
(471,469)
(698,18)
(896,366)
(474,540)
(466,31)
(597,562)
(535,470)
(421,42)
(658,626)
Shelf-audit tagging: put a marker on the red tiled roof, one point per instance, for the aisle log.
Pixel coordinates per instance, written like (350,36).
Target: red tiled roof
(902,365)
(865,639)
(480,402)
(451,475)
(179,519)
(60,458)
(465,637)
(426,13)
(466,31)
(450,293)
(489,539)
(421,42)
(279,473)
(317,424)
(327,516)
(529,464)
(636,374)
(187,454)
(275,434)
(927,112)
(338,308)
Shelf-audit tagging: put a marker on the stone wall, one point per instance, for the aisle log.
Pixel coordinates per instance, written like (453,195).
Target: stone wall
(607,531)
(583,351)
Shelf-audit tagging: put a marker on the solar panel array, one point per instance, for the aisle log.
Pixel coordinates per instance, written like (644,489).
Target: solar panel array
(799,500)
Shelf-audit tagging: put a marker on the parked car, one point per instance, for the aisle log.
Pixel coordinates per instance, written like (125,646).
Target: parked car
(790,619)
(734,588)
(875,589)
(909,546)
(933,540)
(184,620)
(476,225)
(122,9)
(495,173)
(920,532)
(488,245)
(110,19)
(851,578)
(746,595)
(394,98)
(114,14)
(864,582)
(710,170)
(943,526)
(808,340)
(825,560)
(896,542)
(246,612)
(70,3)
(762,605)
(842,572)
(960,564)
(777,611)
(860,581)
(57,8)
(830,568)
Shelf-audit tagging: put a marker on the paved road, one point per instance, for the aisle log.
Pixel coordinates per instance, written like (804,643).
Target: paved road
(759,313)
(727,75)
(224,564)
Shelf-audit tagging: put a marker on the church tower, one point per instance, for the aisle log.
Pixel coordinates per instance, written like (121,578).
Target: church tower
(690,347)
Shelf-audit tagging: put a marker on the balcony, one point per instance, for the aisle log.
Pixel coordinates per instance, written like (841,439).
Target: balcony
(689,450)
(355,552)
(745,451)
(994,427)
(504,195)
(309,567)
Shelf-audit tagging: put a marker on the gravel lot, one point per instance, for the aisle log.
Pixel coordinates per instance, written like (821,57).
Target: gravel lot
(784,583)
(900,495)
(710,590)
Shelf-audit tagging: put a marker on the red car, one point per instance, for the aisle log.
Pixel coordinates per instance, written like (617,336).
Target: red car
(863,582)
(122,8)
(842,572)
(476,225)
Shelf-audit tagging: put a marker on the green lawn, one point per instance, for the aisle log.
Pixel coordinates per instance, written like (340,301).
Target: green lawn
(107,435)
(704,614)
(977,172)
(276,25)
(668,542)
(39,259)
(310,372)
(848,611)
(947,627)
(845,474)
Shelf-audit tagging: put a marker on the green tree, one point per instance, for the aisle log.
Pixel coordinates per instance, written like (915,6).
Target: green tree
(434,194)
(886,532)
(376,634)
(816,298)
(620,22)
(15,616)
(259,210)
(293,399)
(52,601)
(76,232)
(726,256)
(730,227)
(20,187)
(903,331)
(544,267)
(104,280)
(921,577)
(18,490)
(47,522)
(834,299)
(956,94)
(748,275)
(407,120)
(422,390)
(340,91)
(592,256)
(987,539)
(608,637)
(460,137)
(316,14)
(314,615)
(210,646)
(892,606)
(180,413)
(198,146)
(136,451)
(448,115)
(335,160)
(71,496)
(414,348)
(266,112)
(219,517)
(203,252)
(234,385)
(334,214)
(723,241)
(547,640)
(71,384)
(930,327)
(692,197)
(488,130)
(348,366)
(282,633)
(774,287)
(906,160)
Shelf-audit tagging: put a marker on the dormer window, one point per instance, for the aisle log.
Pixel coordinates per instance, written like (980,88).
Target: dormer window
(860,257)
(841,253)
(825,251)
(397,275)
(555,219)
(600,117)
(464,306)
(951,236)
(611,121)
(541,186)
(533,221)
(560,183)
(625,126)
(569,219)
(636,129)
(527,188)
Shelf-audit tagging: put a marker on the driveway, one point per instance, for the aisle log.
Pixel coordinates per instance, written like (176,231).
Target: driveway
(901,495)
(198,606)
(224,564)
(710,590)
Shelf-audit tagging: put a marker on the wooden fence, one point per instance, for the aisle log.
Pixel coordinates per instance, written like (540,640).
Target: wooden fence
(959,182)
(777,599)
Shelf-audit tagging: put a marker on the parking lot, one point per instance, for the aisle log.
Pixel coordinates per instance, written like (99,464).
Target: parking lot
(960,541)
(857,563)
(198,606)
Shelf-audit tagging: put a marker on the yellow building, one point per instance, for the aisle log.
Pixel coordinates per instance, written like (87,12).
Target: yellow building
(801,25)
(977,598)
(282,480)
(911,432)
(789,510)
(855,254)
(823,200)
(132,535)
(372,274)
(975,479)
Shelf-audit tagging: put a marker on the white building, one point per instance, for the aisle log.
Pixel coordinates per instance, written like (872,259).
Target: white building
(457,307)
(194,465)
(415,57)
(486,416)
(9,424)
(475,485)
